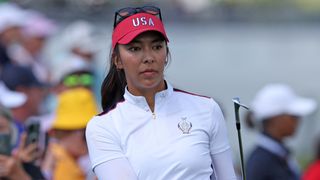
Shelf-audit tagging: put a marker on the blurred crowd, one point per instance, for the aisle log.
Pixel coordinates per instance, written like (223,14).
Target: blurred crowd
(45,106)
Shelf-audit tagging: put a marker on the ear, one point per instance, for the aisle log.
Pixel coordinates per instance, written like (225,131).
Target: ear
(117,62)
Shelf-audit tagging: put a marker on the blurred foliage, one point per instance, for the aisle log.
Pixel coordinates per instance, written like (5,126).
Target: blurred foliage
(308,5)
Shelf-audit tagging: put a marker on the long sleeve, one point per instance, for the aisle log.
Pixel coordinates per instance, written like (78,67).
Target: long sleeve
(223,166)
(114,170)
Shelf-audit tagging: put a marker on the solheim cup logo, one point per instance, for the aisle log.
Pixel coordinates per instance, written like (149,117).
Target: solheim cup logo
(143,21)
(184,125)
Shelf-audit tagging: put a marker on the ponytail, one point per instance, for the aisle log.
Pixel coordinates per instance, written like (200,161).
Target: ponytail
(113,86)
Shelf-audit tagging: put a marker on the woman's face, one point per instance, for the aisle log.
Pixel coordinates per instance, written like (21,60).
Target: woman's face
(143,61)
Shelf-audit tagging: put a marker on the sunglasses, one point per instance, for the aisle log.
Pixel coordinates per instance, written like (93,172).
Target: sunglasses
(78,80)
(123,13)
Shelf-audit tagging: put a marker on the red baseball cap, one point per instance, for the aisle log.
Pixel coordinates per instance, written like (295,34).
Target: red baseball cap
(134,25)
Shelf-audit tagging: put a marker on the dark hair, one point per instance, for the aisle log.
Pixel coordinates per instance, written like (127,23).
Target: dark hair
(113,86)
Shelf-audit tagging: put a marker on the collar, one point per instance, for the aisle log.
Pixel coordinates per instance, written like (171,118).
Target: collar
(141,101)
(273,146)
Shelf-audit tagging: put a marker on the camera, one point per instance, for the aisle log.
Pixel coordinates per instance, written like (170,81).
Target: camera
(33,132)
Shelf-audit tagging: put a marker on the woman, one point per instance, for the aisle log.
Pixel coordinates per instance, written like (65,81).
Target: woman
(149,130)
(276,109)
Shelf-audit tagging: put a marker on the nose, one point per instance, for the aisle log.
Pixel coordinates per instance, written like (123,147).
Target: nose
(148,57)
(148,60)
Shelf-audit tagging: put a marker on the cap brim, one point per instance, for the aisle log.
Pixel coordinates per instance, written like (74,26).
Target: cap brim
(11,99)
(302,107)
(14,100)
(133,34)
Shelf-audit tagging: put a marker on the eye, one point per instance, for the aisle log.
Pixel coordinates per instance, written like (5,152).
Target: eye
(157,46)
(134,48)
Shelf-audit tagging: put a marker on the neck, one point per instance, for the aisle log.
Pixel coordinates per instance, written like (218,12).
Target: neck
(149,94)
(150,100)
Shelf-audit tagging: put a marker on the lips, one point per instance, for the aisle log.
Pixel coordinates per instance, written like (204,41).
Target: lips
(149,72)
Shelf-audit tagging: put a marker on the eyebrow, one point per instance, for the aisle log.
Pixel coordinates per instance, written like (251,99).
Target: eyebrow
(153,41)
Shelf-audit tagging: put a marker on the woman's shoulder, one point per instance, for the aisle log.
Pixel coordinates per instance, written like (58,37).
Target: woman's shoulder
(107,116)
(194,98)
(110,110)
(190,94)
(103,120)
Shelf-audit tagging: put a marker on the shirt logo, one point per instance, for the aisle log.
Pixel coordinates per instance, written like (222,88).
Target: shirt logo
(142,21)
(184,125)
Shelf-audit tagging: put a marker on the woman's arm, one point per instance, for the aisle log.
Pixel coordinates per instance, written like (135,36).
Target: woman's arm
(220,149)
(223,166)
(117,169)
(106,154)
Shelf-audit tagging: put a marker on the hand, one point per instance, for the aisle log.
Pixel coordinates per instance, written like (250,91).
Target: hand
(27,153)
(48,162)
(10,167)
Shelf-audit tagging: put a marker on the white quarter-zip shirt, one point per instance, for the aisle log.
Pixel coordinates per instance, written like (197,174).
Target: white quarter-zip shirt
(179,140)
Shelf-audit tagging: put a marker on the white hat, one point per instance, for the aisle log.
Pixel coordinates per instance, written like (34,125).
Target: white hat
(277,99)
(11,99)
(80,34)
(10,16)
(38,25)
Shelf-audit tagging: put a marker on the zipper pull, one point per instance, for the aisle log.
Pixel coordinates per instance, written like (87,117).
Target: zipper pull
(153,115)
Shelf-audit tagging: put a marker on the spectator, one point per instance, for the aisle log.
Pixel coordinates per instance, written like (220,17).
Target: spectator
(28,52)
(11,22)
(77,66)
(11,166)
(276,109)
(75,108)
(22,79)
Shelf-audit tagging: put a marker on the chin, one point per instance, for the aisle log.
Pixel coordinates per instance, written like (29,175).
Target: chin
(152,83)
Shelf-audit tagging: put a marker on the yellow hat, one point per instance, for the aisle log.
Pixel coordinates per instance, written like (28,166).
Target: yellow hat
(75,108)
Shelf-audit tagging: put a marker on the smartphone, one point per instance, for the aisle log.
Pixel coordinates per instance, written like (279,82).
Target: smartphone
(5,147)
(33,132)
